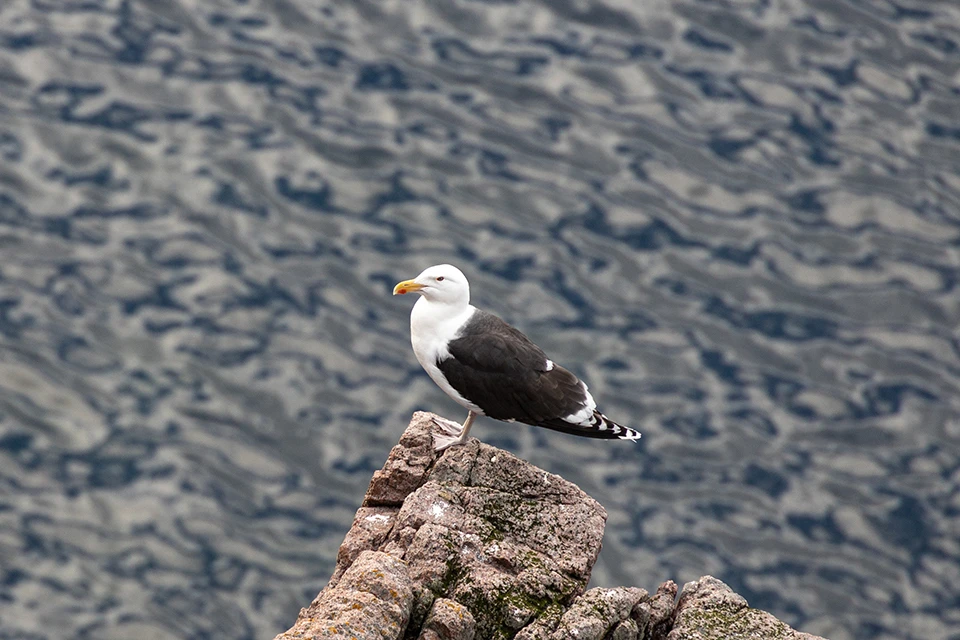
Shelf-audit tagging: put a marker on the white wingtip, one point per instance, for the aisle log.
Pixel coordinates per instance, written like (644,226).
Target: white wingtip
(619,431)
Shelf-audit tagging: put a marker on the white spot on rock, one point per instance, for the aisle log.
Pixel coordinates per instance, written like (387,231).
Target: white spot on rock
(377,517)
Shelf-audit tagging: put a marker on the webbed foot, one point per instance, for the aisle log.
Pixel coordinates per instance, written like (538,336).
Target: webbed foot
(451,433)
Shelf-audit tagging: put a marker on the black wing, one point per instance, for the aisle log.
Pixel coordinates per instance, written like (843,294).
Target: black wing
(501,371)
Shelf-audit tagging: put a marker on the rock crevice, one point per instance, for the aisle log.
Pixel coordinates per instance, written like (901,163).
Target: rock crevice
(476,543)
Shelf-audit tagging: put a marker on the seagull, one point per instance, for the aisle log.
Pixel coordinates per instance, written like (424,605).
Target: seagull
(492,369)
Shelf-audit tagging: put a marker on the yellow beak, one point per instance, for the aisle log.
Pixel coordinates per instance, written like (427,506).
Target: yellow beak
(407,286)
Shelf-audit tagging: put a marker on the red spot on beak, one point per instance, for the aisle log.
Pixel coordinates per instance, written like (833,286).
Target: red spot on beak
(402,291)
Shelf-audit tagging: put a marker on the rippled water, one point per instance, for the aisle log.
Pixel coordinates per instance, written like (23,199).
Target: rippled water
(738,220)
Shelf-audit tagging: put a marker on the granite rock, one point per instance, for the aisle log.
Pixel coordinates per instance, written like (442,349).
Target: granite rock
(448,620)
(372,601)
(710,610)
(475,543)
(661,610)
(601,613)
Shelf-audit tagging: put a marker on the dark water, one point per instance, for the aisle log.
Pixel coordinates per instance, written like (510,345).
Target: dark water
(739,221)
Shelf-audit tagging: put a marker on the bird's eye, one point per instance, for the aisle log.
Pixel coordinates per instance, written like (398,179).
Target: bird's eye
(439,278)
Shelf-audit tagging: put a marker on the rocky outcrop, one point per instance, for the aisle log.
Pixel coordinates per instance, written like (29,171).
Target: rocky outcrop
(710,610)
(476,543)
(372,599)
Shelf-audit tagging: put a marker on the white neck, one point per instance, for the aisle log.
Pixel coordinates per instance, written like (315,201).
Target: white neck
(432,326)
(437,319)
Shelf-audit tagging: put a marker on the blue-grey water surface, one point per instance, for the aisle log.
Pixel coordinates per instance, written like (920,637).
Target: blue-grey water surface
(737,220)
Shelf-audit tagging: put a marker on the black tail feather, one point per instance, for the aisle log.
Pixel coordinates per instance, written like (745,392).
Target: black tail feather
(600,426)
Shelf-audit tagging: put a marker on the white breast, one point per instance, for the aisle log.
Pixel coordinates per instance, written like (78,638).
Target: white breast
(432,326)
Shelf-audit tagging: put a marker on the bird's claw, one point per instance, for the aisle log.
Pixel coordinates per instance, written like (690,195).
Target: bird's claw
(449,427)
(450,435)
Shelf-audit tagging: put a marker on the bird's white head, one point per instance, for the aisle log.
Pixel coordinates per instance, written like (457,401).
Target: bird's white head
(442,283)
